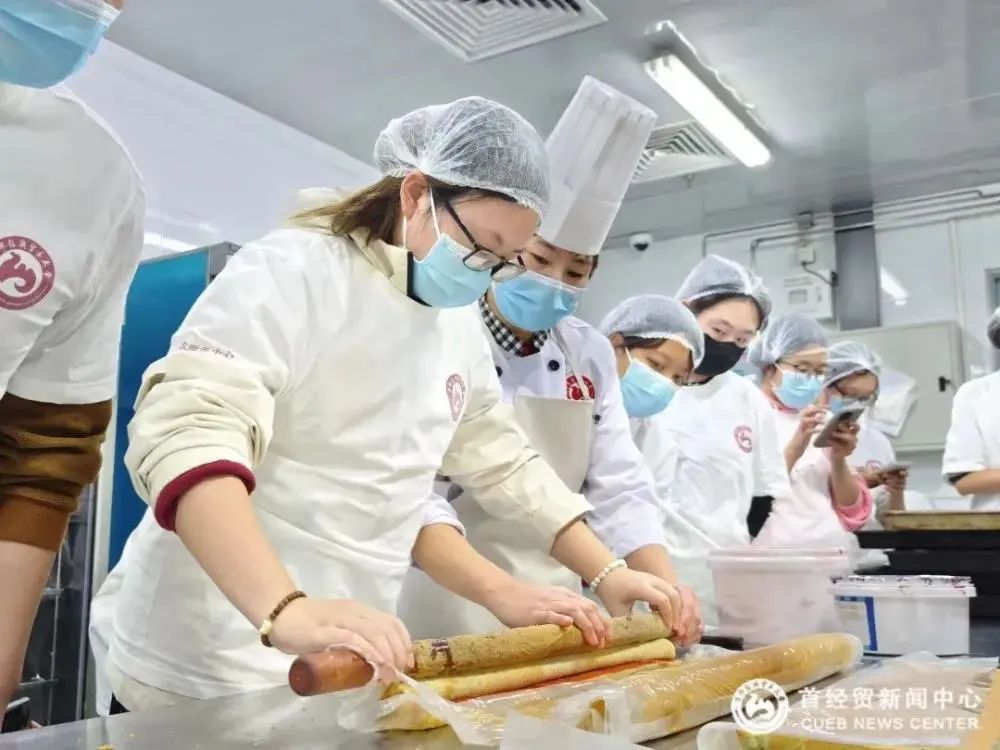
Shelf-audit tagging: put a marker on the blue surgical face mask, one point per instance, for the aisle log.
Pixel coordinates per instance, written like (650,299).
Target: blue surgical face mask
(644,390)
(43,42)
(535,302)
(441,279)
(838,404)
(798,389)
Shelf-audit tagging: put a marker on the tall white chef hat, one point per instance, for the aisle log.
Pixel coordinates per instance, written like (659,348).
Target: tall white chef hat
(593,152)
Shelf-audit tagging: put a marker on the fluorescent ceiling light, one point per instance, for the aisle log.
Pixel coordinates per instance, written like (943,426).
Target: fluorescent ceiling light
(687,89)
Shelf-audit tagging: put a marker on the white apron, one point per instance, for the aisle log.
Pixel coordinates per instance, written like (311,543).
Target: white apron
(806,518)
(560,431)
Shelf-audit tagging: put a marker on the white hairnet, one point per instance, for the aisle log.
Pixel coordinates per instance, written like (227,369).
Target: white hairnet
(472,142)
(787,335)
(848,358)
(653,316)
(993,328)
(716,275)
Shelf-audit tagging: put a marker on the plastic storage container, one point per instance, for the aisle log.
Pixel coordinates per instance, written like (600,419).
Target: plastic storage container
(903,614)
(770,594)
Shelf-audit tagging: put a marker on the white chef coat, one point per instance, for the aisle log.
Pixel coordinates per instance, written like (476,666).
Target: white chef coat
(873,453)
(711,451)
(806,518)
(577,364)
(71,212)
(874,450)
(302,362)
(626,514)
(973,442)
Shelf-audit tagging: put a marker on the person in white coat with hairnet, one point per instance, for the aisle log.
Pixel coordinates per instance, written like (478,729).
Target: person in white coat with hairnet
(658,345)
(287,444)
(558,373)
(715,449)
(829,500)
(972,450)
(853,379)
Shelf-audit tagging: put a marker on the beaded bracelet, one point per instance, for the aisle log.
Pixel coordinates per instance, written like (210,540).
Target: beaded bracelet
(268,624)
(614,565)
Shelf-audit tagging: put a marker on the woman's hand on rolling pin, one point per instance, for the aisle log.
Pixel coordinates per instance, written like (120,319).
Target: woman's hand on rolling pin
(623,587)
(519,604)
(310,625)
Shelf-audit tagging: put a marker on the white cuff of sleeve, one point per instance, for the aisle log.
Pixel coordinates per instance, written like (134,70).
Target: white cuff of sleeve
(445,519)
(549,522)
(641,530)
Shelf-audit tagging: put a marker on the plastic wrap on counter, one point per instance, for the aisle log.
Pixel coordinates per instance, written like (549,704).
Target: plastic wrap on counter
(631,703)
(913,701)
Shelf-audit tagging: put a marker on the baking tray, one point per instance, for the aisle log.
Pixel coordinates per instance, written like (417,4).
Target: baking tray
(905,520)
(930,540)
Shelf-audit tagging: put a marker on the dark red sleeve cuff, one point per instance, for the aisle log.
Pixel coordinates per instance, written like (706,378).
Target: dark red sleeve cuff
(166,504)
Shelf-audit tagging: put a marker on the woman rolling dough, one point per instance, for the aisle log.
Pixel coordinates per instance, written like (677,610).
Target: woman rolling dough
(558,374)
(289,440)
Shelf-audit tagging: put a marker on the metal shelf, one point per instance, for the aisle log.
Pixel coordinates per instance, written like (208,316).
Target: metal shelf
(56,658)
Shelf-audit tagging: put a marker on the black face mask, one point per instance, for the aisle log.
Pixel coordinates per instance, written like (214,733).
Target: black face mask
(720,357)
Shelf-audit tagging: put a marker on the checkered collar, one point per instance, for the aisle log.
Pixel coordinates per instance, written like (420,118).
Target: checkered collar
(505,337)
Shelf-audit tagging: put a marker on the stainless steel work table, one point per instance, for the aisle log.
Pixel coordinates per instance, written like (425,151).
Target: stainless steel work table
(277,719)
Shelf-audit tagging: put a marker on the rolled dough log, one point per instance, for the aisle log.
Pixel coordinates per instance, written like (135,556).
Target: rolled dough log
(504,679)
(465,653)
(663,699)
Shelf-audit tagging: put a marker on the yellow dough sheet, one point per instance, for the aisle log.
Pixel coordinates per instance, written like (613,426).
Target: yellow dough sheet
(642,702)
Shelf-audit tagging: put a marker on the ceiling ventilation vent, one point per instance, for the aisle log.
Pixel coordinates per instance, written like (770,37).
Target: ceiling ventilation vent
(478,29)
(678,150)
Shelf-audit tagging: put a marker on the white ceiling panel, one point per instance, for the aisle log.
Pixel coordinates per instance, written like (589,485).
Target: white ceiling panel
(863,99)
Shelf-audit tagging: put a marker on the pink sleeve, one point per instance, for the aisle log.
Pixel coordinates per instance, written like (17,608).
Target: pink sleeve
(853,517)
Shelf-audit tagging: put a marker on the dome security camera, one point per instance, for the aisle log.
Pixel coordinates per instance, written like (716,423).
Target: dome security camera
(640,242)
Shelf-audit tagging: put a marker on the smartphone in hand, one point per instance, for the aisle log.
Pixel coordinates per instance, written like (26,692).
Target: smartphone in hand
(848,416)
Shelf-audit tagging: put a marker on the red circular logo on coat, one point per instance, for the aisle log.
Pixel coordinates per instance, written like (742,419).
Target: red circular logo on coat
(575,393)
(27,273)
(455,388)
(744,438)
(873,465)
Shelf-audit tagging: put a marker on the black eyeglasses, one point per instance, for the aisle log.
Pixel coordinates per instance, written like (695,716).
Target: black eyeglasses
(482,258)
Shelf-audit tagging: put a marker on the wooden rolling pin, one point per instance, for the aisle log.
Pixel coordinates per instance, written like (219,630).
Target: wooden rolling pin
(330,671)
